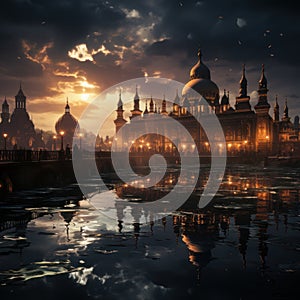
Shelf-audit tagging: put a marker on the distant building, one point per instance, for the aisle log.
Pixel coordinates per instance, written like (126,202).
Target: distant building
(246,130)
(65,126)
(18,126)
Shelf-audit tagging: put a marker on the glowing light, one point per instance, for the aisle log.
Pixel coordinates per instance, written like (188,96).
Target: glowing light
(229,145)
(5,135)
(245,142)
(61,133)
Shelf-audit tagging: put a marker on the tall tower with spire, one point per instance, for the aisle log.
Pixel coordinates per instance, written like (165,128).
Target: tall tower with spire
(119,121)
(242,101)
(164,107)
(264,125)
(262,106)
(5,112)
(20,99)
(136,107)
(276,110)
(285,116)
(151,106)
(176,102)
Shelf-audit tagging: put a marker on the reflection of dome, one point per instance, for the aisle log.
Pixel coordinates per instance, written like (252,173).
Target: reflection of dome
(201,83)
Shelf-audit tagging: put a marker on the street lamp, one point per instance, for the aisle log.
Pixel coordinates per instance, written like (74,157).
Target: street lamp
(267,144)
(80,135)
(62,140)
(54,142)
(5,135)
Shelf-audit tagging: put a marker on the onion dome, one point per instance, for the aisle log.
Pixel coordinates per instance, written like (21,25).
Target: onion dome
(66,122)
(201,83)
(263,80)
(200,70)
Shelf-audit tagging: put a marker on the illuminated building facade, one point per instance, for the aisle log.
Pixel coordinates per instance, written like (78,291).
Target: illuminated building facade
(17,128)
(246,130)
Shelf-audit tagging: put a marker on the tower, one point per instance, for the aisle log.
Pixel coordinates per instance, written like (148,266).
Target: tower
(164,107)
(262,106)
(119,121)
(5,112)
(285,116)
(136,106)
(224,102)
(264,125)
(242,101)
(151,106)
(20,99)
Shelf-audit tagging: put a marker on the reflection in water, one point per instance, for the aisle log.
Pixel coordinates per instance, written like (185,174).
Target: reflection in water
(248,233)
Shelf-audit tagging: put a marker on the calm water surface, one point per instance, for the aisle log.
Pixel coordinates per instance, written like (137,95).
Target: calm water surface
(245,245)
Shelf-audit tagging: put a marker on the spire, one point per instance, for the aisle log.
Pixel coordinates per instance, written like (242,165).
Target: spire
(136,97)
(285,111)
(120,103)
(177,99)
(146,109)
(263,81)
(262,105)
(20,99)
(67,107)
(200,70)
(224,100)
(151,105)
(155,108)
(164,106)
(119,121)
(5,111)
(243,84)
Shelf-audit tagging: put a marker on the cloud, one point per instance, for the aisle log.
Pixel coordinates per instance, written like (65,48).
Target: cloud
(82,53)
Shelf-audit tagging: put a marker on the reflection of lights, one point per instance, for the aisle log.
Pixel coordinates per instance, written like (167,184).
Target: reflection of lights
(184,146)
(220,145)
(193,146)
(148,144)
(206,144)
(245,142)
(267,137)
(229,145)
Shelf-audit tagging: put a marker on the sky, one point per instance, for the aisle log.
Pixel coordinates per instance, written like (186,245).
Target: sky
(75,49)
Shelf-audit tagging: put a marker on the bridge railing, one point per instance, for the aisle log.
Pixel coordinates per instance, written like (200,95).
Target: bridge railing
(32,155)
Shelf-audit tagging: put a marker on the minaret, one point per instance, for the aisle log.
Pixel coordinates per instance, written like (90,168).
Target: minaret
(20,99)
(262,106)
(164,107)
(119,121)
(285,116)
(265,135)
(276,110)
(136,107)
(5,112)
(146,109)
(242,101)
(151,106)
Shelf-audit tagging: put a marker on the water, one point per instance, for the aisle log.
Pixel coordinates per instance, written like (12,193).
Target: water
(245,245)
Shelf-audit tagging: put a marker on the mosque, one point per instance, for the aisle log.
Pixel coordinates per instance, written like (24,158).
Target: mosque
(246,129)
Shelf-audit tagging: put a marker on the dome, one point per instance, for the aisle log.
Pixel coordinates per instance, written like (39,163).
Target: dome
(201,83)
(206,88)
(200,70)
(66,123)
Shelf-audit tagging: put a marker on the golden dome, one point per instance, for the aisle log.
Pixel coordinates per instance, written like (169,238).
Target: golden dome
(201,83)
